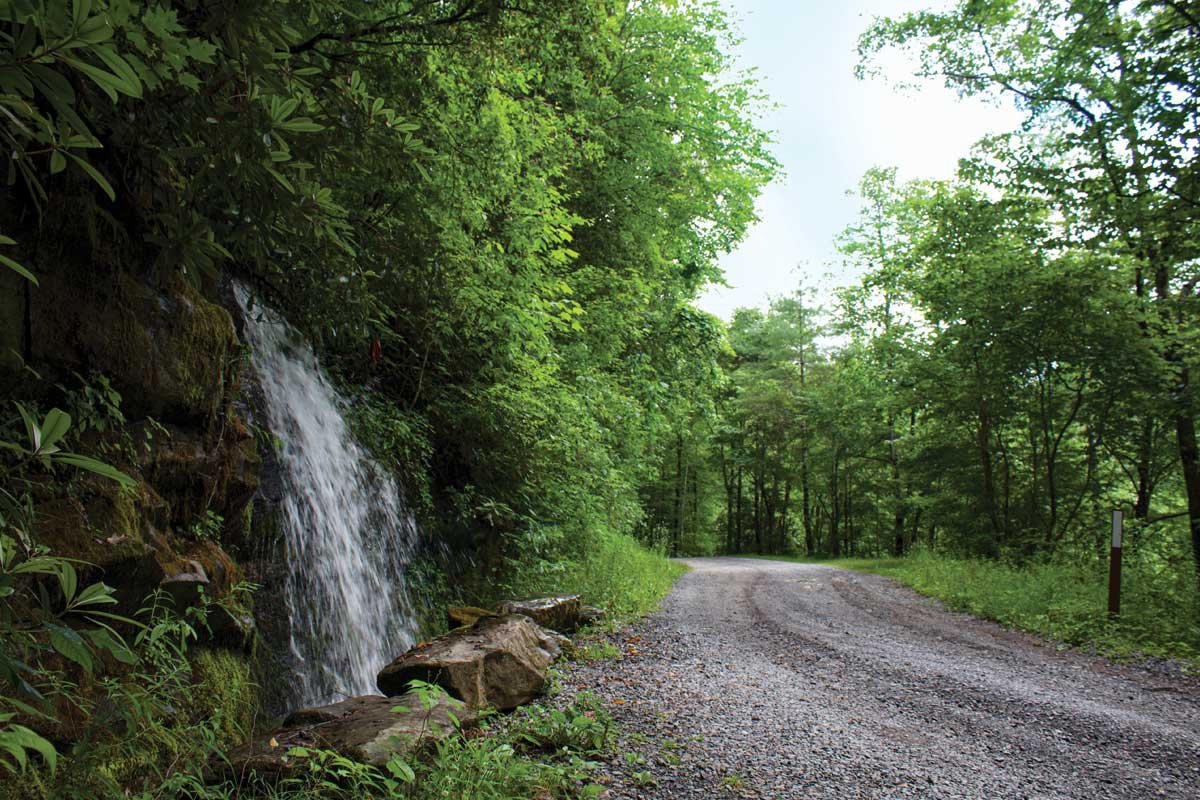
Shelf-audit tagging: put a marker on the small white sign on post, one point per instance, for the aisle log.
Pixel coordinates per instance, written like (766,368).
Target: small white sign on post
(1114,566)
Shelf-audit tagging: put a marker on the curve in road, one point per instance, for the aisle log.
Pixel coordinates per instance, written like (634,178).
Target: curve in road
(771,679)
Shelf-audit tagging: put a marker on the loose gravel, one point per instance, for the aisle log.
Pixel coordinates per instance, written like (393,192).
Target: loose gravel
(766,679)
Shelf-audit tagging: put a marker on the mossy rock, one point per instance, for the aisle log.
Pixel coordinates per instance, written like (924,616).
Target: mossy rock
(106,527)
(168,351)
(225,692)
(200,473)
(124,538)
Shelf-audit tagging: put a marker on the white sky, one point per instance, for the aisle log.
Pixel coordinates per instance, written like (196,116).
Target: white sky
(830,128)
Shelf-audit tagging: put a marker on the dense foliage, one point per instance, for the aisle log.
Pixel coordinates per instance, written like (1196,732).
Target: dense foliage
(496,215)
(491,218)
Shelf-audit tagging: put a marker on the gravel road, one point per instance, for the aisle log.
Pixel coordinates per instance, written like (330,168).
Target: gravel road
(766,679)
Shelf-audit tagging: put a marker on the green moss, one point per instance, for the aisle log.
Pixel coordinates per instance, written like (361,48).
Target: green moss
(167,350)
(104,528)
(225,693)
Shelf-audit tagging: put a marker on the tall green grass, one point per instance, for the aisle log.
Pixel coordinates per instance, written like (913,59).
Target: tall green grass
(1160,609)
(614,572)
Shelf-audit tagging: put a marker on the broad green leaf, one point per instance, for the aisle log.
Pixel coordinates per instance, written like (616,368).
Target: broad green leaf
(105,640)
(31,428)
(54,427)
(79,11)
(300,125)
(120,68)
(105,186)
(26,738)
(68,581)
(95,30)
(69,644)
(110,83)
(98,467)
(278,176)
(19,269)
(96,593)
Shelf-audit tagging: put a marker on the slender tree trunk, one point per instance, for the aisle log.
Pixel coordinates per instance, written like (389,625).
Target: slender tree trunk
(727,481)
(1185,426)
(835,532)
(677,523)
(984,439)
(1141,508)
(849,525)
(1189,459)
(740,536)
(810,544)
(1006,504)
(756,485)
(784,539)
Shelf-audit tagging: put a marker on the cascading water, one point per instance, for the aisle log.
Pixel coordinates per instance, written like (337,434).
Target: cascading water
(349,536)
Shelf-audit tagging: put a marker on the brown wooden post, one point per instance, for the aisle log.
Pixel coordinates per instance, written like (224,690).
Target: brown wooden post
(1114,565)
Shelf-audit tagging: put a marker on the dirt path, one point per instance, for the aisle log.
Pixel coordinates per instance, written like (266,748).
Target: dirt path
(768,679)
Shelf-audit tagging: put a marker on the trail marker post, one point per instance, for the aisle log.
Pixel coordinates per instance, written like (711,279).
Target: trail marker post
(1114,564)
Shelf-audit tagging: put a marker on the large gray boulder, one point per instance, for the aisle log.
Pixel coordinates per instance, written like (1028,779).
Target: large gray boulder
(499,662)
(367,729)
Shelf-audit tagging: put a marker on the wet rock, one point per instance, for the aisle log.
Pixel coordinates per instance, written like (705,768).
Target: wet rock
(231,628)
(499,662)
(461,616)
(559,613)
(368,729)
(187,585)
(203,474)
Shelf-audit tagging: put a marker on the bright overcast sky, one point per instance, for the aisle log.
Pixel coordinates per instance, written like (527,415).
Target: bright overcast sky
(830,128)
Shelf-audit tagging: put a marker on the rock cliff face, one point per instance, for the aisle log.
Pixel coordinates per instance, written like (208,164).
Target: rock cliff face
(174,358)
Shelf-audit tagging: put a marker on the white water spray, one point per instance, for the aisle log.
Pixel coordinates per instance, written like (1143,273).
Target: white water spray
(348,534)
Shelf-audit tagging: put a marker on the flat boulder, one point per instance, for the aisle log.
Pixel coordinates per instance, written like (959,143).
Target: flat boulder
(559,613)
(367,729)
(464,616)
(499,662)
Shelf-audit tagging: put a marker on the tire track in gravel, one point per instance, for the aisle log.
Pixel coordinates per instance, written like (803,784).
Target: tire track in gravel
(779,680)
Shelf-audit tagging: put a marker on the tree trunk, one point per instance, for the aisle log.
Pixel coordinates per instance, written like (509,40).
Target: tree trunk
(727,481)
(897,489)
(677,527)
(784,539)
(985,462)
(1145,488)
(849,516)
(835,531)
(741,539)
(1189,459)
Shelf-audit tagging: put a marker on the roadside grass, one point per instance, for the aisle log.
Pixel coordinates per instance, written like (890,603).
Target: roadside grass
(1160,611)
(615,573)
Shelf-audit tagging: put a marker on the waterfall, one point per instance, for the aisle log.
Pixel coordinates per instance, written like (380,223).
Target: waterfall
(348,535)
